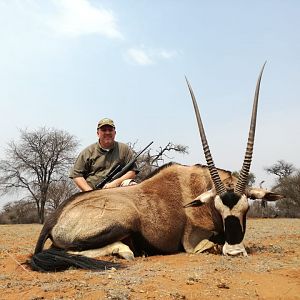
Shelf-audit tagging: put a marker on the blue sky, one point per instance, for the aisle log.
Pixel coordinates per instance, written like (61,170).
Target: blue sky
(68,63)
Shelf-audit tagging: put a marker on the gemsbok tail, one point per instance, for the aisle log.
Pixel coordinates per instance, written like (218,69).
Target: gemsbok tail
(55,259)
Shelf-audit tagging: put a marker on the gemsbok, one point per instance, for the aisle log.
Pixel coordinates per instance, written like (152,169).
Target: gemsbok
(176,208)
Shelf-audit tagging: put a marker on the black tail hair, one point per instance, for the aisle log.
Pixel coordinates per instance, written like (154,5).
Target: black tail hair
(53,260)
(44,235)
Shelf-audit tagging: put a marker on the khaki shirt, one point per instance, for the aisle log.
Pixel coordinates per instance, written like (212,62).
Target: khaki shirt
(94,163)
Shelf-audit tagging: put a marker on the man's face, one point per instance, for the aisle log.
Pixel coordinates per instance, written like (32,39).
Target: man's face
(106,135)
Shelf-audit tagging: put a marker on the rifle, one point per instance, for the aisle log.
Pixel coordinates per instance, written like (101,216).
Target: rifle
(109,176)
(119,170)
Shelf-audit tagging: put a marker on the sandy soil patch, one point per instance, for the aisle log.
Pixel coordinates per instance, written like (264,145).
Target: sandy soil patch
(271,271)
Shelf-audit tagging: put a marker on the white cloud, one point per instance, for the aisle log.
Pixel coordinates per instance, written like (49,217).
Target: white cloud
(79,17)
(144,57)
(167,54)
(139,56)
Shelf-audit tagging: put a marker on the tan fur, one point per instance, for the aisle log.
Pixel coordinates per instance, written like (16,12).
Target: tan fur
(149,207)
(154,209)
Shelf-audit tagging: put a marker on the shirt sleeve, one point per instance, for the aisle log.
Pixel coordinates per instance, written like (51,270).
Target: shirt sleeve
(79,169)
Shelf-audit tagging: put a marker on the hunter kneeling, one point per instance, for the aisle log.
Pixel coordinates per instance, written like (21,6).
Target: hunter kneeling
(96,163)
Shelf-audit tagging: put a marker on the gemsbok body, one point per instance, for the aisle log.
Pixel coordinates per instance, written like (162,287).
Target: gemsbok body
(177,208)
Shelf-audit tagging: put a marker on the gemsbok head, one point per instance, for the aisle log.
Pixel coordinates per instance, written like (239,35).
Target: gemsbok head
(231,203)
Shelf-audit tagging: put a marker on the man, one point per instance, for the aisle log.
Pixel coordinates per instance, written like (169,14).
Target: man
(98,159)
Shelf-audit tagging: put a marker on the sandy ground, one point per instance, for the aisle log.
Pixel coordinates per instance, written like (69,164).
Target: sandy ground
(271,271)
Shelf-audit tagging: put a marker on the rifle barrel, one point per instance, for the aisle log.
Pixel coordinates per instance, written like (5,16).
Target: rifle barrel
(129,165)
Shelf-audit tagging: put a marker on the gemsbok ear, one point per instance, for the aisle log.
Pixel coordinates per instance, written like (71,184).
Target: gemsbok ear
(258,193)
(203,198)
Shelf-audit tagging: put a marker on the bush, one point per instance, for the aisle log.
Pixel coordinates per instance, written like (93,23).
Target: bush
(262,209)
(19,212)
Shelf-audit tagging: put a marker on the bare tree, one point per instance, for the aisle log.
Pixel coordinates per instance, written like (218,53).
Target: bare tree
(60,191)
(39,159)
(290,187)
(287,184)
(281,169)
(150,160)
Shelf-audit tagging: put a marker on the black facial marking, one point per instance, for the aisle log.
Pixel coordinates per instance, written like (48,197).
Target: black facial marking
(230,199)
(218,238)
(233,230)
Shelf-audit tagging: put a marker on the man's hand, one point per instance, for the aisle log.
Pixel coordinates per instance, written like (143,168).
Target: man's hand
(82,184)
(117,182)
(112,184)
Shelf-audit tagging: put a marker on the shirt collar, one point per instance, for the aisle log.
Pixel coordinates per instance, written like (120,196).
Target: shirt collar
(106,150)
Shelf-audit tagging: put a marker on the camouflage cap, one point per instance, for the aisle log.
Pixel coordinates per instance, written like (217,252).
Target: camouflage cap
(106,121)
